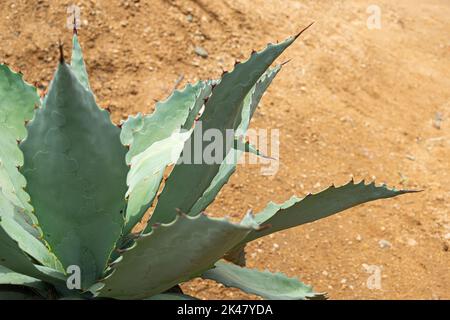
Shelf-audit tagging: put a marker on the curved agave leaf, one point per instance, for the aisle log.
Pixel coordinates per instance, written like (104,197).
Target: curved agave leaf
(29,244)
(13,258)
(228,166)
(190,179)
(296,211)
(237,255)
(146,173)
(77,63)
(17,103)
(76,173)
(245,146)
(273,286)
(254,97)
(140,132)
(10,277)
(12,292)
(155,143)
(172,253)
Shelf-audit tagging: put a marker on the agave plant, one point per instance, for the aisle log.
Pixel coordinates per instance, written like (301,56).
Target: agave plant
(74,186)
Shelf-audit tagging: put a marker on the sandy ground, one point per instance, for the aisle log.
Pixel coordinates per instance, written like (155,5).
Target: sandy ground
(353,101)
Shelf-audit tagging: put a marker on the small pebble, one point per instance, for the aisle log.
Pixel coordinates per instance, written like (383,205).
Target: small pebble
(201,52)
(437,120)
(384,244)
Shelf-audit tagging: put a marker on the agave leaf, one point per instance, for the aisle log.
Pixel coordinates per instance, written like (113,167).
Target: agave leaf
(171,296)
(172,253)
(188,181)
(273,286)
(77,63)
(237,255)
(10,277)
(246,146)
(12,257)
(254,97)
(155,143)
(17,103)
(228,166)
(29,244)
(76,173)
(12,292)
(203,93)
(146,173)
(140,132)
(296,211)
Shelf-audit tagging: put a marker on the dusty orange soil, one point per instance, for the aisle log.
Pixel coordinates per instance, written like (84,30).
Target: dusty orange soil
(353,101)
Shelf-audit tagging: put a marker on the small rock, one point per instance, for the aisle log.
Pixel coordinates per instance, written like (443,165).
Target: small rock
(358,237)
(384,244)
(411,242)
(325,273)
(437,120)
(344,281)
(201,52)
(447,236)
(189,18)
(124,23)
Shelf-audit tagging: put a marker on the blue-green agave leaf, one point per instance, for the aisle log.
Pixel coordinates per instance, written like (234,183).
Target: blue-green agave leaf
(146,173)
(10,277)
(17,103)
(273,286)
(245,146)
(296,211)
(12,257)
(77,63)
(155,142)
(12,292)
(223,111)
(140,132)
(171,254)
(228,166)
(76,172)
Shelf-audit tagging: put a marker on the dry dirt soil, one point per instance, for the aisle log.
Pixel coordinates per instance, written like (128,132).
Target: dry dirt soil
(372,104)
